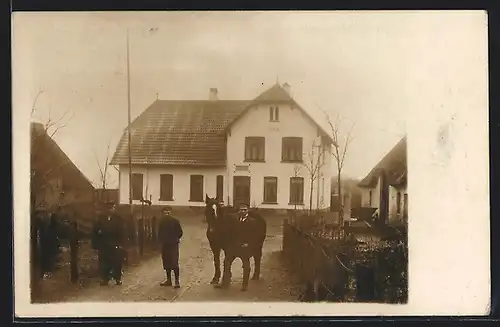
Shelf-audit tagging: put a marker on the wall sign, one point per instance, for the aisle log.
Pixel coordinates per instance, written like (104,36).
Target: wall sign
(241,168)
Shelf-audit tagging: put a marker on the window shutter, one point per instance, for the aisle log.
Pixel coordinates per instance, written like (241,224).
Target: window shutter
(284,154)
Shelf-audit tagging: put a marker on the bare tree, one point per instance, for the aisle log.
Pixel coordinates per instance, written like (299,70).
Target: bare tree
(313,165)
(340,147)
(104,173)
(40,176)
(296,173)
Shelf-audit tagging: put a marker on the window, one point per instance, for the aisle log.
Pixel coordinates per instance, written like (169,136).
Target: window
(274,114)
(270,189)
(166,187)
(296,190)
(254,148)
(291,149)
(220,187)
(398,203)
(196,190)
(324,152)
(137,186)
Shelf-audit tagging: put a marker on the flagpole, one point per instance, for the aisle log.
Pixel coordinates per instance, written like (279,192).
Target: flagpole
(128,131)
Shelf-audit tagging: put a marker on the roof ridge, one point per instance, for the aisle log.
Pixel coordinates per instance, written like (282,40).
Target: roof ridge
(383,162)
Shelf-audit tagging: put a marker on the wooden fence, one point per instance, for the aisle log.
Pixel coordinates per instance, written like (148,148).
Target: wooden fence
(333,266)
(76,255)
(318,263)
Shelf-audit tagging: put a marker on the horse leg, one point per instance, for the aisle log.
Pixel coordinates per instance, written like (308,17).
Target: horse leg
(226,276)
(217,274)
(257,260)
(246,272)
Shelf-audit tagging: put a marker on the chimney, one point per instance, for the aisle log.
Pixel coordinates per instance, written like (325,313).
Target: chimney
(286,87)
(38,128)
(213,94)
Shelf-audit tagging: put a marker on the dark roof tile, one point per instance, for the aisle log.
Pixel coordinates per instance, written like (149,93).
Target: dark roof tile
(180,133)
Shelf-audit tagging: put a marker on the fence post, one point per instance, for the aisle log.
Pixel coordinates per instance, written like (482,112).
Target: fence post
(140,225)
(153,231)
(74,251)
(133,255)
(285,236)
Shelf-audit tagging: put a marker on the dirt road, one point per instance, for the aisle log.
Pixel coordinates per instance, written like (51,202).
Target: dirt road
(141,283)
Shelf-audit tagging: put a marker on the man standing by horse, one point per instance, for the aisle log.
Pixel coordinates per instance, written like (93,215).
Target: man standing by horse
(169,234)
(240,237)
(107,238)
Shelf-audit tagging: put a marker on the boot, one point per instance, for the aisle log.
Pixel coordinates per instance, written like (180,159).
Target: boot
(176,274)
(168,281)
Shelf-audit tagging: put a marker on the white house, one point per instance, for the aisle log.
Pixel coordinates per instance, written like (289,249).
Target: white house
(257,152)
(385,187)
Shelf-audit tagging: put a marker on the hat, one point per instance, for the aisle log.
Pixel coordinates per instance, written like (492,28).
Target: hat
(167,208)
(244,205)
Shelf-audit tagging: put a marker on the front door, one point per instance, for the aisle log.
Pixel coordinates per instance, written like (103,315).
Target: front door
(241,190)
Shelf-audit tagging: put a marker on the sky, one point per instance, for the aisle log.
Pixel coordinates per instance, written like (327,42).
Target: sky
(362,66)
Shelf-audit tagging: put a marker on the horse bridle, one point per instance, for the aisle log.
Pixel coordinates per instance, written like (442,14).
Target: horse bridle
(215,216)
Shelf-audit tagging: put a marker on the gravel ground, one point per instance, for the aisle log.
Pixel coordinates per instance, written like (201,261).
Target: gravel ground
(141,283)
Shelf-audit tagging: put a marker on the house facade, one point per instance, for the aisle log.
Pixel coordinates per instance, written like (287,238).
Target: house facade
(385,187)
(260,152)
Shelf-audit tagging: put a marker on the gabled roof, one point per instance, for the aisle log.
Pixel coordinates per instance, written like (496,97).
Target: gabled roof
(49,160)
(177,132)
(393,164)
(277,94)
(189,132)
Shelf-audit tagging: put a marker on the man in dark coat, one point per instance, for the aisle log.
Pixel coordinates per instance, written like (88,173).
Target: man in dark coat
(107,238)
(169,234)
(245,223)
(49,243)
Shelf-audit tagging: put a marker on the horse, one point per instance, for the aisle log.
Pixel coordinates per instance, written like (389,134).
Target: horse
(225,232)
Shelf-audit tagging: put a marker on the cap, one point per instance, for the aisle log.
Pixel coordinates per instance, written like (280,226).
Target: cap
(167,208)
(244,205)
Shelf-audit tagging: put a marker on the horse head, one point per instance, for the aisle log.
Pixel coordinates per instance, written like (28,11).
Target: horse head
(213,212)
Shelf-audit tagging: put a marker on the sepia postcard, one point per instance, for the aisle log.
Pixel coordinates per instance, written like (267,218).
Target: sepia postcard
(250,163)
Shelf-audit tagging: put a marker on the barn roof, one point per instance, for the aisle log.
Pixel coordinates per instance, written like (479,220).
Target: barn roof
(393,164)
(49,160)
(187,132)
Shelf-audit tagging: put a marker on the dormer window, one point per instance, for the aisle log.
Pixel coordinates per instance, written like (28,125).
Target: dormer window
(274,113)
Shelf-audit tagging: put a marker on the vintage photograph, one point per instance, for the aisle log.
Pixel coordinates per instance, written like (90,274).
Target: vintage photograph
(218,156)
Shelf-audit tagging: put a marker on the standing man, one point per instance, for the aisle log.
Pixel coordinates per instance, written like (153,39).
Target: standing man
(49,243)
(107,238)
(245,224)
(169,234)
(243,212)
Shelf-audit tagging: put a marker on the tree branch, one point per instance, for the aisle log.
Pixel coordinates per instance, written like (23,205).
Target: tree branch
(33,107)
(340,152)
(104,169)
